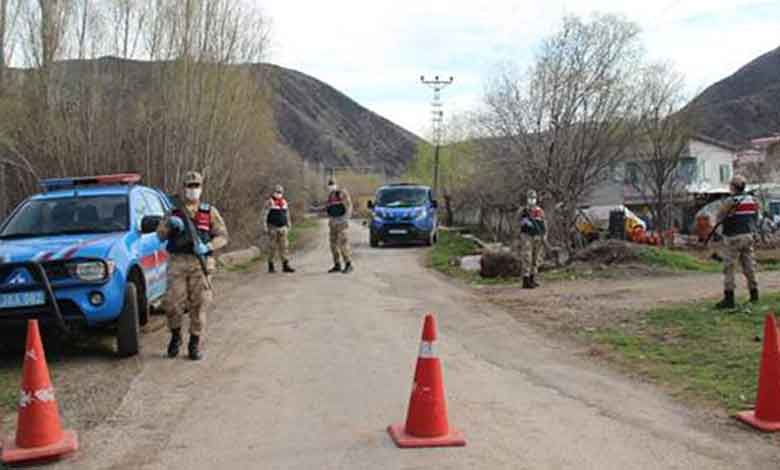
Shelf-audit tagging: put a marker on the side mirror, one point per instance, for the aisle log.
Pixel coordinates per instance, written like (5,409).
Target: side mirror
(370,205)
(150,223)
(435,204)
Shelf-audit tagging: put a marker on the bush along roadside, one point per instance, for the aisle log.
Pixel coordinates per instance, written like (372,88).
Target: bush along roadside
(700,354)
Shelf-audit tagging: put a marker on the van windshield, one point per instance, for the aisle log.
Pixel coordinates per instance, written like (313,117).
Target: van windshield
(402,197)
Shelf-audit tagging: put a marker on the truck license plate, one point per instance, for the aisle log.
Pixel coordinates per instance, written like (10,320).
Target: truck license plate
(22,299)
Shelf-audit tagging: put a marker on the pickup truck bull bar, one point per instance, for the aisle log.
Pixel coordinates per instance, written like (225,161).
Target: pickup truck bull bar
(51,307)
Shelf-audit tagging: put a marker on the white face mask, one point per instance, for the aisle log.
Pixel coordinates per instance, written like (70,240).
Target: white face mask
(193,194)
(277,195)
(532,202)
(333,188)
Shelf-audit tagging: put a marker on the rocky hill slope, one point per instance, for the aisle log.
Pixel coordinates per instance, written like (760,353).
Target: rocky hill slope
(745,105)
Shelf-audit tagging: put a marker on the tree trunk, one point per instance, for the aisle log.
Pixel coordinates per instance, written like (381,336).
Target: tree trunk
(450,216)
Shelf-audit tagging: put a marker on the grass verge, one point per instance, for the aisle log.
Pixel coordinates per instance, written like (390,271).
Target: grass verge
(9,388)
(700,354)
(299,231)
(676,261)
(446,255)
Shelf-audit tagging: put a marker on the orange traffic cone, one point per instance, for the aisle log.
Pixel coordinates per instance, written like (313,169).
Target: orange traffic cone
(426,421)
(766,416)
(39,434)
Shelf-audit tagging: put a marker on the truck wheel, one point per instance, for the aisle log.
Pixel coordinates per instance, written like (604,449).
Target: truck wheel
(128,335)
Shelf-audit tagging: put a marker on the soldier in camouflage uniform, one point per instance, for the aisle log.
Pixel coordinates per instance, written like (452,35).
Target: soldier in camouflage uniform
(339,209)
(277,225)
(533,231)
(739,216)
(188,287)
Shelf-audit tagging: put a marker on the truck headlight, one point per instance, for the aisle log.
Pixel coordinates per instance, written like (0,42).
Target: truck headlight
(91,271)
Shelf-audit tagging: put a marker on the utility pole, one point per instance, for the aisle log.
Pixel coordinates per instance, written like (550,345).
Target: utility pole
(437,115)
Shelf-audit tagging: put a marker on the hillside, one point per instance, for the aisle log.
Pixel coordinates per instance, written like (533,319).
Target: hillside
(745,105)
(312,118)
(324,125)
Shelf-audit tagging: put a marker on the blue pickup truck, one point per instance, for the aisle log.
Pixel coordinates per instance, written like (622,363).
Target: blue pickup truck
(84,252)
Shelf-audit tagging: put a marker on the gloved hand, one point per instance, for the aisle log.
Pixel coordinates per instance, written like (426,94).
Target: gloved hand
(176,224)
(201,249)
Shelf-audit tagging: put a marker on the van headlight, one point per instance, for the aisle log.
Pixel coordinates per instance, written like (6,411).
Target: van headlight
(91,271)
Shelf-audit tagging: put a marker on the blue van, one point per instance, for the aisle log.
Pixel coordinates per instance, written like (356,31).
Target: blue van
(403,213)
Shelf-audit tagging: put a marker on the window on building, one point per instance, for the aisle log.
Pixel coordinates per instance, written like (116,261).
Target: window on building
(687,170)
(725,173)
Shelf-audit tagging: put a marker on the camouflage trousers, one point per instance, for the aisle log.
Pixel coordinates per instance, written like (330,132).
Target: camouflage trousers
(339,243)
(187,291)
(278,244)
(739,249)
(531,254)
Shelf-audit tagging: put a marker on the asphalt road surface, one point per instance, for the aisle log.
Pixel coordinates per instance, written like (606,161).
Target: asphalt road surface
(306,372)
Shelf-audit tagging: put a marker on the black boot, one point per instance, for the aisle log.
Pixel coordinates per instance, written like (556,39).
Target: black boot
(194,348)
(753,295)
(534,284)
(336,268)
(727,302)
(271,268)
(287,268)
(348,268)
(175,343)
(527,282)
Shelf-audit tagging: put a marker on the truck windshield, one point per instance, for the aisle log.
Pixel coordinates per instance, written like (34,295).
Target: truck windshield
(402,197)
(75,215)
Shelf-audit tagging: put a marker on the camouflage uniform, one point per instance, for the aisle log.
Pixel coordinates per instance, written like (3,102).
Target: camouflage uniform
(339,228)
(187,286)
(531,253)
(533,231)
(739,214)
(278,234)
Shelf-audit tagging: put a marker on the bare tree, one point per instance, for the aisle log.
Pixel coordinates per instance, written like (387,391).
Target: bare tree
(662,142)
(568,120)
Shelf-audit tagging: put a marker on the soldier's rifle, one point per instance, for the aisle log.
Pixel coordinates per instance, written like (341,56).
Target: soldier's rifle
(189,226)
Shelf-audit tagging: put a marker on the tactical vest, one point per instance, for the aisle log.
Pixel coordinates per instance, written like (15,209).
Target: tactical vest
(278,214)
(182,243)
(743,217)
(532,222)
(337,207)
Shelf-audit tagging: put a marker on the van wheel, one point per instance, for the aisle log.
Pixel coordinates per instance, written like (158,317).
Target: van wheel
(128,335)
(431,239)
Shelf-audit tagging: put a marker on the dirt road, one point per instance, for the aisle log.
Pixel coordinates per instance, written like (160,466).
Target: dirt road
(305,372)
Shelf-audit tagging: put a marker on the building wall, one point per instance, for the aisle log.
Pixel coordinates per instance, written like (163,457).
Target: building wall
(710,159)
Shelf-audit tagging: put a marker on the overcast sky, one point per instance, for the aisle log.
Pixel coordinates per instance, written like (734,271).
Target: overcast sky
(376,51)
